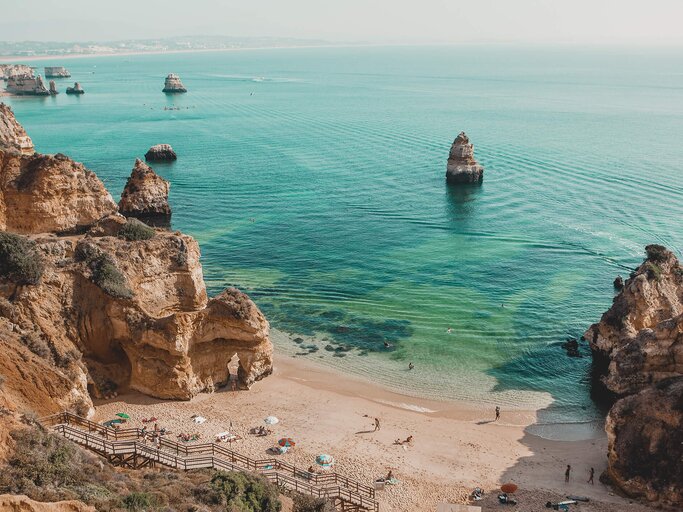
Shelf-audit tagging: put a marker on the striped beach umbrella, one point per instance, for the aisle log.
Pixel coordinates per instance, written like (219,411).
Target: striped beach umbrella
(287,442)
(324,460)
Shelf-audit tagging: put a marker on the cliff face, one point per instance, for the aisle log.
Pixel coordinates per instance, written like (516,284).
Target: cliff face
(638,347)
(45,193)
(145,194)
(12,134)
(640,335)
(119,306)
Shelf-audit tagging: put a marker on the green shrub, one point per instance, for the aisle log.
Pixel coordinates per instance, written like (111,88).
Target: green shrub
(653,271)
(109,278)
(244,492)
(86,251)
(306,503)
(133,229)
(139,502)
(657,253)
(19,259)
(36,344)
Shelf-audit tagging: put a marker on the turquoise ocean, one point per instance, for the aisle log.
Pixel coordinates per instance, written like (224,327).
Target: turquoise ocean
(314,181)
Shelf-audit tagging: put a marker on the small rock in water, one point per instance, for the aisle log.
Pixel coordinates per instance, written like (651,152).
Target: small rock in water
(462,167)
(161,153)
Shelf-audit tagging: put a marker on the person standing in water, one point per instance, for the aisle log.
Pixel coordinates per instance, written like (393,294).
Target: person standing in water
(590,478)
(567,473)
(497,413)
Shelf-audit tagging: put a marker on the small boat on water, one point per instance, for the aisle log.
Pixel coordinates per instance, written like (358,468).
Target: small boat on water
(76,89)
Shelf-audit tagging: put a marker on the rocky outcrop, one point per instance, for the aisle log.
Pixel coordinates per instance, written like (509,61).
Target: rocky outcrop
(173,84)
(145,195)
(638,348)
(461,166)
(8,70)
(161,153)
(53,88)
(13,137)
(45,193)
(638,340)
(56,72)
(76,89)
(26,85)
(645,437)
(121,306)
(20,503)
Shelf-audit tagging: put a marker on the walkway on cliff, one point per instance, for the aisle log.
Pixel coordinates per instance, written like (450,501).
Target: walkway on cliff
(127,448)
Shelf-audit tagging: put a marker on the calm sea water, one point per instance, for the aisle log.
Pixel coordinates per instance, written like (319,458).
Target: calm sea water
(314,180)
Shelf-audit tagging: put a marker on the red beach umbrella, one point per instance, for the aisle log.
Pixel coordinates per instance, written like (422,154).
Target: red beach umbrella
(286,442)
(509,488)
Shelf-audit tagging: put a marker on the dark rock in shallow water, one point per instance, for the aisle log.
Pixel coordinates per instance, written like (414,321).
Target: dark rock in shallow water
(572,347)
(461,166)
(619,282)
(161,153)
(76,89)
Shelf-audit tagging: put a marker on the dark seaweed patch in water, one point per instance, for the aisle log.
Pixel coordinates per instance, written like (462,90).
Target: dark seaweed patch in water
(345,330)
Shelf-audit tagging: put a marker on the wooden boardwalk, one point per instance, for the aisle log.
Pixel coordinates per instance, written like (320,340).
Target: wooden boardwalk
(127,448)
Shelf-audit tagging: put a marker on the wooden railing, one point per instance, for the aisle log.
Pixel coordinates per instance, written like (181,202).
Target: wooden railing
(113,442)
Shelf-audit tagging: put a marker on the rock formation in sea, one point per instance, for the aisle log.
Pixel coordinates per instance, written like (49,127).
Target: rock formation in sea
(638,348)
(161,153)
(173,84)
(461,166)
(56,72)
(12,134)
(53,88)
(114,305)
(145,196)
(76,89)
(26,85)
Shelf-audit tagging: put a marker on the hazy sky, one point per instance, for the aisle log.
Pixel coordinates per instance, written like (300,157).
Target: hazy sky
(574,21)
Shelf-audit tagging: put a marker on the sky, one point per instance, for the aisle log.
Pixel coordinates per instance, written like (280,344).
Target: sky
(371,21)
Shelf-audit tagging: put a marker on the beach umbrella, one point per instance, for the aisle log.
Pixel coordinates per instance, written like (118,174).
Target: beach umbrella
(271,420)
(324,460)
(287,442)
(123,415)
(509,488)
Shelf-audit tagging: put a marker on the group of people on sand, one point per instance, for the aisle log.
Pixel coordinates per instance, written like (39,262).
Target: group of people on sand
(568,472)
(408,440)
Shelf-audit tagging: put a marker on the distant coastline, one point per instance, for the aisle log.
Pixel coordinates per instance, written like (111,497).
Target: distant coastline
(33,58)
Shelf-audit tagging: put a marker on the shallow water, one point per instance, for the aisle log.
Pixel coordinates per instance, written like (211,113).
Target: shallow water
(314,180)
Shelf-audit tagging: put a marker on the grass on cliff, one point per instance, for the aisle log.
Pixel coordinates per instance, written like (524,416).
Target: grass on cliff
(134,229)
(20,261)
(105,273)
(48,468)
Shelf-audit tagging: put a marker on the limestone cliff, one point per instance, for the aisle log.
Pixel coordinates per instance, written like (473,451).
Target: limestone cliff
(145,195)
(638,339)
(12,134)
(18,503)
(112,305)
(638,348)
(49,193)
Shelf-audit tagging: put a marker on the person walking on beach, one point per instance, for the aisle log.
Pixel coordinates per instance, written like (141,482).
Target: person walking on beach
(567,473)
(377,426)
(497,413)
(590,478)
(411,365)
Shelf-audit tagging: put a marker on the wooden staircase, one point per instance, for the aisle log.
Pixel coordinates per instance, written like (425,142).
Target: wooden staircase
(128,448)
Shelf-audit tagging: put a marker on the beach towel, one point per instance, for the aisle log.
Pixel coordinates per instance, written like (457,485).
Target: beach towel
(199,419)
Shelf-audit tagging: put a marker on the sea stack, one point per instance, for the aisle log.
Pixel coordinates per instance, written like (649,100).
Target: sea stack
(56,72)
(26,85)
(173,84)
(145,196)
(462,167)
(76,89)
(161,153)
(53,88)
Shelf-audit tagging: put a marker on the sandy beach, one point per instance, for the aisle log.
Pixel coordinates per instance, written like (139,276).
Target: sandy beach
(455,447)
